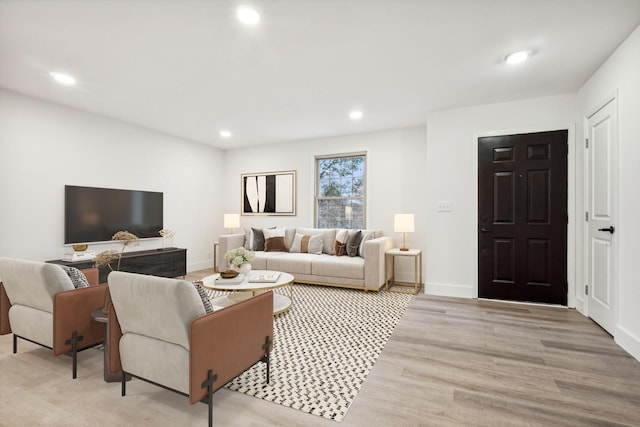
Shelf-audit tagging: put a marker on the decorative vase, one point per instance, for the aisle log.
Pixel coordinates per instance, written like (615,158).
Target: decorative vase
(244,268)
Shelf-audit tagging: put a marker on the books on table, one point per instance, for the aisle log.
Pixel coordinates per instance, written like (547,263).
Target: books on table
(264,277)
(79,256)
(233,280)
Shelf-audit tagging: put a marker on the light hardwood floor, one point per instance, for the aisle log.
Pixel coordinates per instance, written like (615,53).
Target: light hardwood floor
(449,362)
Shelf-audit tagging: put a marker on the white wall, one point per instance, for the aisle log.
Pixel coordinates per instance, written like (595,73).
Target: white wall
(396,178)
(451,247)
(621,72)
(44,146)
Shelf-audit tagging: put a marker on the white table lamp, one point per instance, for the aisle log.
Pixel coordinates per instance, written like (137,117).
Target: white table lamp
(231,221)
(404,223)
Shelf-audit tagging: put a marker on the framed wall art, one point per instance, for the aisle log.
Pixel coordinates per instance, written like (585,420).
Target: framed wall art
(268,193)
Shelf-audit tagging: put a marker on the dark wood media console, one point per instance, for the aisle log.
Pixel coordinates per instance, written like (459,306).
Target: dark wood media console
(169,262)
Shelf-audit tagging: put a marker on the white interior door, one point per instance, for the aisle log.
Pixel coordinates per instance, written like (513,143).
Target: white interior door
(602,194)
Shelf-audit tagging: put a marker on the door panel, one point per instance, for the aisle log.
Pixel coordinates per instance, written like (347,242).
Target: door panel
(522,217)
(602,155)
(504,187)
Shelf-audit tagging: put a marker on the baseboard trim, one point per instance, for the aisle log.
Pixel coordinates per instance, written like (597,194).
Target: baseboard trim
(200,265)
(448,290)
(629,342)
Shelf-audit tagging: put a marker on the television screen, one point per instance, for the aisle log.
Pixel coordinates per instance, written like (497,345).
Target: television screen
(96,214)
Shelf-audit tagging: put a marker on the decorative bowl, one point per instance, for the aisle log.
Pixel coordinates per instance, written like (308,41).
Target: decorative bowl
(80,247)
(229,274)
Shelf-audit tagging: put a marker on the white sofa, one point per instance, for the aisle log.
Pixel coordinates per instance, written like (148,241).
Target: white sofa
(365,271)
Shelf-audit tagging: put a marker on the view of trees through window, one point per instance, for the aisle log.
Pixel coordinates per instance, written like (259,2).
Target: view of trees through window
(340,192)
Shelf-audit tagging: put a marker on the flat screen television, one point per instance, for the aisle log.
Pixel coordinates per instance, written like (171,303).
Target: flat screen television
(95,214)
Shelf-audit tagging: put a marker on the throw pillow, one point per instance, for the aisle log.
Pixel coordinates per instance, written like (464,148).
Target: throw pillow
(307,244)
(297,242)
(366,235)
(353,243)
(208,308)
(77,277)
(258,239)
(274,240)
(328,237)
(340,244)
(316,245)
(248,239)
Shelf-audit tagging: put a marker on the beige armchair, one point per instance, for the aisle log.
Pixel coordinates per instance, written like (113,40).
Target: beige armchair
(159,332)
(38,303)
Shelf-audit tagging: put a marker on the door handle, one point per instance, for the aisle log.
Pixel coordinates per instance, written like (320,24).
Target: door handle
(610,229)
(485,230)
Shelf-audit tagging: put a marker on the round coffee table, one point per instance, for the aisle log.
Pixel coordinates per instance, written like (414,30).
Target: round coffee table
(246,289)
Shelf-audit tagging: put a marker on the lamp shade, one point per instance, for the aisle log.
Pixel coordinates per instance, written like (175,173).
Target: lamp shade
(231,220)
(403,223)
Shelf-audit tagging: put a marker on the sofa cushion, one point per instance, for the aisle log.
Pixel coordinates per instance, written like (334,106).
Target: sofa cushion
(294,263)
(289,234)
(353,242)
(328,236)
(332,266)
(261,259)
(307,244)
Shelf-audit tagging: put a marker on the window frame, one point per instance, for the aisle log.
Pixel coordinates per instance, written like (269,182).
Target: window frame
(317,197)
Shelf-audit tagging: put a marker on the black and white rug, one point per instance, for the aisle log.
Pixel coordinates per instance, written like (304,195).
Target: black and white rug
(324,348)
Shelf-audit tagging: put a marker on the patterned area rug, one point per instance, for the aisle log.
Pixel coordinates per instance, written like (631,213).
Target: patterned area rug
(324,348)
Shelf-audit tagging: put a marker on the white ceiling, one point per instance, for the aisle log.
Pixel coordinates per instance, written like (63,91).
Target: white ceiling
(189,68)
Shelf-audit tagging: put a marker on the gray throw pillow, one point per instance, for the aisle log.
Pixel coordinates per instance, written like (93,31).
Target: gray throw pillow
(258,239)
(353,243)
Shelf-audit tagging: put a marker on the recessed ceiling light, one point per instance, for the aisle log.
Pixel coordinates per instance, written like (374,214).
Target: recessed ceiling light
(62,78)
(517,57)
(355,115)
(247,15)
(225,134)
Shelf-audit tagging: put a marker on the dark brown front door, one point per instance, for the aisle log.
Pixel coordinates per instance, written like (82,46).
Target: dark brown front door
(522,217)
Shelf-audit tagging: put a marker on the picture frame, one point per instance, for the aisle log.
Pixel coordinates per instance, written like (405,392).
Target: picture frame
(268,193)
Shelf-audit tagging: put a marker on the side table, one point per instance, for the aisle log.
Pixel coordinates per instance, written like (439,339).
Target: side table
(101,317)
(417,272)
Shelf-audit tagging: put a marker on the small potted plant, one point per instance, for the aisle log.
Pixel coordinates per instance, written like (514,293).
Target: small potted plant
(239,259)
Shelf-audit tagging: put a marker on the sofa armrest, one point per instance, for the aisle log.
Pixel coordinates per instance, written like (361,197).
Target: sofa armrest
(228,342)
(114,331)
(227,242)
(72,312)
(5,305)
(92,275)
(375,263)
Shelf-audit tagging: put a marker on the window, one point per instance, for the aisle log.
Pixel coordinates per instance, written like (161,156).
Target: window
(340,191)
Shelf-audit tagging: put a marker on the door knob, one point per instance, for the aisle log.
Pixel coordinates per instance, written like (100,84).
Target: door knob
(485,230)
(610,229)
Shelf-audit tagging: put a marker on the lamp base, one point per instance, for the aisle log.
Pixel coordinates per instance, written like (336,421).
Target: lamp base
(404,249)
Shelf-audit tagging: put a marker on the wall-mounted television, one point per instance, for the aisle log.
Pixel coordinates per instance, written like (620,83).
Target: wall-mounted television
(95,214)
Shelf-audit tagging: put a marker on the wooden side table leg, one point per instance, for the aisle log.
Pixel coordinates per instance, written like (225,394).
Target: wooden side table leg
(415,275)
